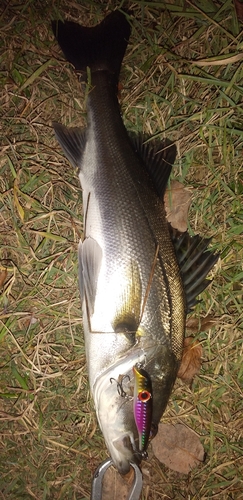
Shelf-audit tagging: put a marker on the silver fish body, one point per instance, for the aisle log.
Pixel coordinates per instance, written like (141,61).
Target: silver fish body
(133,300)
(125,227)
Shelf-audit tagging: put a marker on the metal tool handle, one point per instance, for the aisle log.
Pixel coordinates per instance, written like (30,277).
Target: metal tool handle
(96,490)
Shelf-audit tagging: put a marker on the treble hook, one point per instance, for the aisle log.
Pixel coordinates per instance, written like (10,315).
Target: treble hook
(120,389)
(96,491)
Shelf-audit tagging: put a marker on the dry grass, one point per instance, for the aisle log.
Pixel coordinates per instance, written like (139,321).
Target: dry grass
(50,443)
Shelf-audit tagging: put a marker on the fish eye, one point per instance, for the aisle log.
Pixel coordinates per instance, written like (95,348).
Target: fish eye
(144,396)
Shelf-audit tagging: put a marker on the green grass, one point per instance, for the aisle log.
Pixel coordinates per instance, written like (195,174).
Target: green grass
(50,443)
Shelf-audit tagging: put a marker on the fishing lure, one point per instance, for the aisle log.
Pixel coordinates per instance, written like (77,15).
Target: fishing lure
(142,406)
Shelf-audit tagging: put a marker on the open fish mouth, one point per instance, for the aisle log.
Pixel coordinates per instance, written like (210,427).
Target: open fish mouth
(125,453)
(113,398)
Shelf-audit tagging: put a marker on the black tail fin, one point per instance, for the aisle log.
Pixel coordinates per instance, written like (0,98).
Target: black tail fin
(99,48)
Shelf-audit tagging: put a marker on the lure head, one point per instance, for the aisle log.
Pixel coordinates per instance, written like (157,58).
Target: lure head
(142,406)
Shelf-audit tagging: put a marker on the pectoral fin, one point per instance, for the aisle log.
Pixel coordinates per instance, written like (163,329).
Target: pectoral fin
(90,258)
(129,302)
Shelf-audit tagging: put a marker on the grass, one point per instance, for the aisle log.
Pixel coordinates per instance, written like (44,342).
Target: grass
(50,441)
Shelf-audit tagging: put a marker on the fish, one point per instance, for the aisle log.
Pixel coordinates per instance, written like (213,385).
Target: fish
(137,278)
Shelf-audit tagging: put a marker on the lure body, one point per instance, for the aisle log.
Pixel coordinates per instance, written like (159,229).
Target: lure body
(142,405)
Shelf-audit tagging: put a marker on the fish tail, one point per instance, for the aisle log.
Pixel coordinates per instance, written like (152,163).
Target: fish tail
(100,48)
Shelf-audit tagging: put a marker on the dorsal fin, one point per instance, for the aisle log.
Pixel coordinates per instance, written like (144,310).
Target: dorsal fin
(158,158)
(195,262)
(72,141)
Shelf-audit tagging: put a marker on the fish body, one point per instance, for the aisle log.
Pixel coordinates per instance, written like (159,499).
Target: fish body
(133,299)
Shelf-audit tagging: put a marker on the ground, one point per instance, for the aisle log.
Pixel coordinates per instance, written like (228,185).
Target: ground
(181,78)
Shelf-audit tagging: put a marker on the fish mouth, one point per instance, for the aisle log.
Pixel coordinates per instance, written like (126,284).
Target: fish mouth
(124,454)
(115,412)
(114,408)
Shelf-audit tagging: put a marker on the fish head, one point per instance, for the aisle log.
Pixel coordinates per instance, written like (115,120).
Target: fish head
(114,397)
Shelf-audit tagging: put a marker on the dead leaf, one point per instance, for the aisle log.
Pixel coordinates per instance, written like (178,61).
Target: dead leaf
(178,447)
(19,208)
(239,9)
(3,276)
(191,360)
(177,201)
(115,486)
(221,60)
(195,325)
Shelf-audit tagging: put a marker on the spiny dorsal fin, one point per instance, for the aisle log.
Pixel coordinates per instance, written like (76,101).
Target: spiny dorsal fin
(72,141)
(158,158)
(195,262)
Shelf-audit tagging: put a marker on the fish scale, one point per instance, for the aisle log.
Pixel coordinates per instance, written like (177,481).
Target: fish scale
(124,214)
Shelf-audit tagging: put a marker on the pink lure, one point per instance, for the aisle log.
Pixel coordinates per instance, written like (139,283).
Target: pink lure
(142,405)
